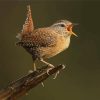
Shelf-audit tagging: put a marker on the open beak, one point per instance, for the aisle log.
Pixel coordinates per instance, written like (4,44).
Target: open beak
(69,28)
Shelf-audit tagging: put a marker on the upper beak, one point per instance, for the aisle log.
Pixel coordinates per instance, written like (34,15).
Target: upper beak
(71,32)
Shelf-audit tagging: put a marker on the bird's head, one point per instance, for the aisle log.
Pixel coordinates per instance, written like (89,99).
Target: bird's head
(64,27)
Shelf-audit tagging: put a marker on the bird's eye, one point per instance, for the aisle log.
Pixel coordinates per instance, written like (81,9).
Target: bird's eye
(62,25)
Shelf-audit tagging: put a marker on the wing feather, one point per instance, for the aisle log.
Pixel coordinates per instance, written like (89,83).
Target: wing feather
(42,37)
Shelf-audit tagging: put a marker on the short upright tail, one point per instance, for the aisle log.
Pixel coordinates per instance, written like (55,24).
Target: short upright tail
(28,26)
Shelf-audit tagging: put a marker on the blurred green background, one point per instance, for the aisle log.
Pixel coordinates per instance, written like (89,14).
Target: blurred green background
(81,78)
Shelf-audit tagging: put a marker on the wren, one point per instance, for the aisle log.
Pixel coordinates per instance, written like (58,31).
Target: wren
(45,42)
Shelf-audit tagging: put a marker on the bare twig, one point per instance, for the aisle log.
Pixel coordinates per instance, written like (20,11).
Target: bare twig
(21,86)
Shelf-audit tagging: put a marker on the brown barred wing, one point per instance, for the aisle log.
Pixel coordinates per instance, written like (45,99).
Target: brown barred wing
(39,38)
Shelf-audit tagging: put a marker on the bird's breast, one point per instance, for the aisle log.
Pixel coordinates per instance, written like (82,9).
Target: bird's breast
(62,43)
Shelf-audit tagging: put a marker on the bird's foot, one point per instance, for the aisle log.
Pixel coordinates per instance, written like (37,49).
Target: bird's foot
(48,70)
(56,74)
(51,67)
(34,66)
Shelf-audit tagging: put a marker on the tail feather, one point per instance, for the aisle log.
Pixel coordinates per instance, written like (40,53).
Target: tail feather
(28,26)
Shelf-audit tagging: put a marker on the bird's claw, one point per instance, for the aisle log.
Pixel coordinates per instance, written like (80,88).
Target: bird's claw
(49,70)
(56,74)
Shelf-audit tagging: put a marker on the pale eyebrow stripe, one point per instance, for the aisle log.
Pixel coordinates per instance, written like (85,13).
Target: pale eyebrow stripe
(59,23)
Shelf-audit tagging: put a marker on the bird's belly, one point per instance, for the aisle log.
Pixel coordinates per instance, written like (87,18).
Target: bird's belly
(49,52)
(52,51)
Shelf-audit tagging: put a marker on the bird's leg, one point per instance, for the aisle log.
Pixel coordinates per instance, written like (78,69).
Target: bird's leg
(48,64)
(35,69)
(51,66)
(34,65)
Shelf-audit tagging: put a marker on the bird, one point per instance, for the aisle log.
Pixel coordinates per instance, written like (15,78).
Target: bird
(46,42)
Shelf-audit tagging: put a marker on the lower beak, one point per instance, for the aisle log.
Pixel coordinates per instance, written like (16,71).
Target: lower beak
(71,32)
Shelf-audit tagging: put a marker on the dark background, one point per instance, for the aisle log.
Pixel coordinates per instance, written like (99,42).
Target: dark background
(81,78)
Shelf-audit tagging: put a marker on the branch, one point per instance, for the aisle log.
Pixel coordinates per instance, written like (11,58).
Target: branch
(21,86)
